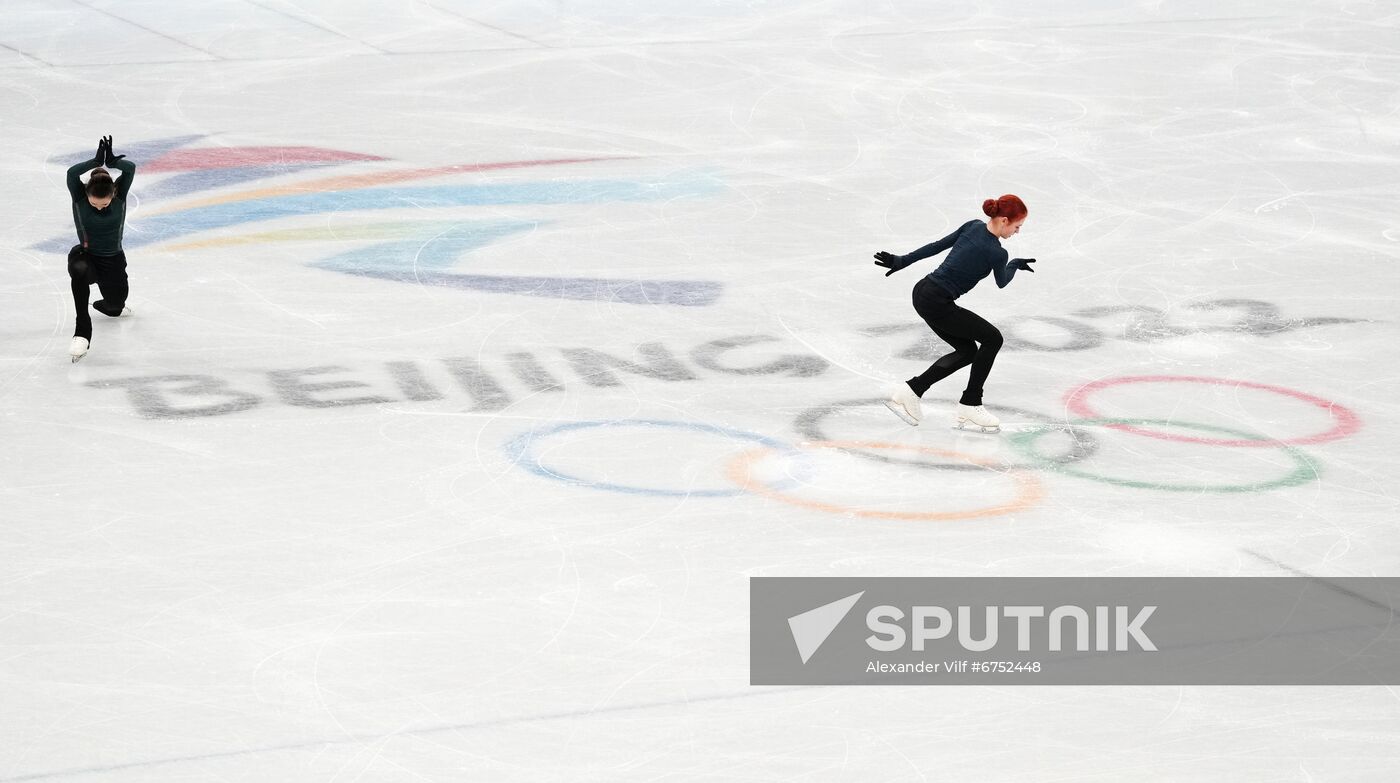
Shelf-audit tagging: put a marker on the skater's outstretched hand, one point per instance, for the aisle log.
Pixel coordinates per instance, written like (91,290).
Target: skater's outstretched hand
(889,261)
(103,150)
(1021,263)
(111,159)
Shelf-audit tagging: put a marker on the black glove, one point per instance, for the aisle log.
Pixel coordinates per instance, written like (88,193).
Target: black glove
(1021,263)
(111,159)
(103,150)
(889,261)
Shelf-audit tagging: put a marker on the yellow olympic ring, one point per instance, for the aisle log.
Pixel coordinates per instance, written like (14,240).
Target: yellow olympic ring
(1029,488)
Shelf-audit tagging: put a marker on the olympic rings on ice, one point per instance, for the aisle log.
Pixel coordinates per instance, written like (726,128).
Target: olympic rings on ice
(1083,443)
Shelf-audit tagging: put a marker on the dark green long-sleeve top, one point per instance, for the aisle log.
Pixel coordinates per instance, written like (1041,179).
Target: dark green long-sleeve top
(100,230)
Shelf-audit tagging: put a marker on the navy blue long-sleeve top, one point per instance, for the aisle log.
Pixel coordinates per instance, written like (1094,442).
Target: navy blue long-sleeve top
(976,253)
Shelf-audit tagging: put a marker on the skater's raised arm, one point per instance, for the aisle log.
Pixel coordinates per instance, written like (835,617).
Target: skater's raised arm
(119,162)
(128,170)
(78,191)
(77,170)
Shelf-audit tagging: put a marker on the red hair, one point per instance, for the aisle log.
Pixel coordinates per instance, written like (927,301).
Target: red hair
(1010,207)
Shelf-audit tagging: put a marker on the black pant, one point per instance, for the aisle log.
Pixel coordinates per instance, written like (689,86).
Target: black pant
(974,341)
(109,273)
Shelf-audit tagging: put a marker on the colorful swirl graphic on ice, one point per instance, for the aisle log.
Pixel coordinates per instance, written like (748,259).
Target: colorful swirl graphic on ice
(419,250)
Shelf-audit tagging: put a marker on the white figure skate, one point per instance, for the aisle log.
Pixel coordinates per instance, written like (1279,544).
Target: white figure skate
(78,348)
(977,419)
(904,403)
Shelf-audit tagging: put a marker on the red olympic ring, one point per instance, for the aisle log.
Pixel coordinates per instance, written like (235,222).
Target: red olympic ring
(1345,420)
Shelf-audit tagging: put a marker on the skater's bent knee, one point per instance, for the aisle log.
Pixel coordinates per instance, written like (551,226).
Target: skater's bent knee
(78,270)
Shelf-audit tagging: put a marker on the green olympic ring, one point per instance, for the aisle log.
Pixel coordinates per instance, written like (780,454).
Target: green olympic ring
(1305,469)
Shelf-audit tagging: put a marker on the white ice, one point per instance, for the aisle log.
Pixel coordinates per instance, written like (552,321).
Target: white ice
(461,475)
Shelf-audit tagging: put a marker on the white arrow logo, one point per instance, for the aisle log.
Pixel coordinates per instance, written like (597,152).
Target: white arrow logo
(810,629)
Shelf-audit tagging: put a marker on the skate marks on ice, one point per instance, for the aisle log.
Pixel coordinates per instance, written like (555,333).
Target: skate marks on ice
(378,738)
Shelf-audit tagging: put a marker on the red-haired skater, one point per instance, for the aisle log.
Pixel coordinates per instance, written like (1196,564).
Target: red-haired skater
(976,252)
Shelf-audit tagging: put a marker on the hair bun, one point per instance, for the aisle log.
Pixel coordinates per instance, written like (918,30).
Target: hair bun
(1009,206)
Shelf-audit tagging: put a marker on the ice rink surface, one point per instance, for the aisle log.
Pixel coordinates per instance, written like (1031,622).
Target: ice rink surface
(483,351)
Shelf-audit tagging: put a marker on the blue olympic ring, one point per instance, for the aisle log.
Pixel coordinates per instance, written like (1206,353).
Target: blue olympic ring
(522,451)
